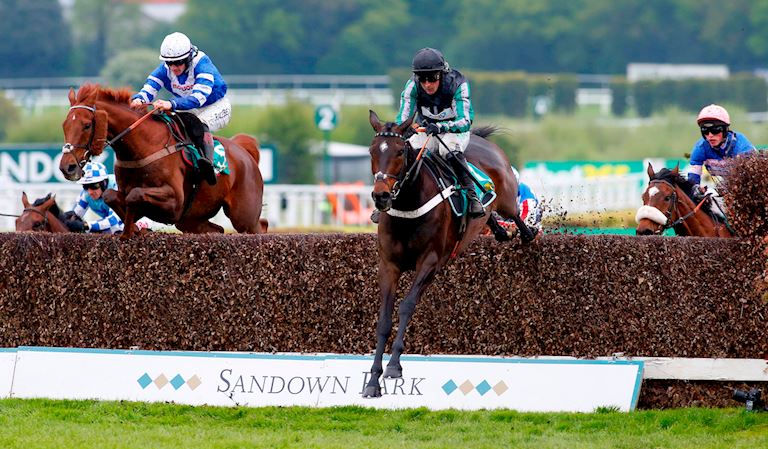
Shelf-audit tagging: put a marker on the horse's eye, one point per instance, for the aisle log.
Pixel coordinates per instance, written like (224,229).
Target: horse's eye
(87,126)
(38,225)
(667,198)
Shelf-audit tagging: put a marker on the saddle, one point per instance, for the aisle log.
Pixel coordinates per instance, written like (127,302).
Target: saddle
(445,176)
(188,130)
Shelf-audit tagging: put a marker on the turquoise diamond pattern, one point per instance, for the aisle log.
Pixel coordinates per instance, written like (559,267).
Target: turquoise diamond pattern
(178,381)
(466,386)
(483,387)
(144,380)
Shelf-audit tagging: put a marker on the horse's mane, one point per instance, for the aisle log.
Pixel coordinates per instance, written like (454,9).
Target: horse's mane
(675,178)
(88,90)
(54,209)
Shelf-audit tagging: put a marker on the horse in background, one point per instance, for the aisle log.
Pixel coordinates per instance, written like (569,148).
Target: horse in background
(44,215)
(412,236)
(668,202)
(153,179)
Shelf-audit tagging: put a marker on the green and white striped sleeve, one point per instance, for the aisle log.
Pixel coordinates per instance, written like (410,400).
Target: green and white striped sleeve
(464,112)
(407,102)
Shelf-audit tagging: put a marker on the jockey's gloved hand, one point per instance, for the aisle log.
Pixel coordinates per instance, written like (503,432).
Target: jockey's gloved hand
(699,192)
(86,226)
(432,129)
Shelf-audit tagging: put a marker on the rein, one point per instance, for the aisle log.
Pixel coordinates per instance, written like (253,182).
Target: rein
(674,204)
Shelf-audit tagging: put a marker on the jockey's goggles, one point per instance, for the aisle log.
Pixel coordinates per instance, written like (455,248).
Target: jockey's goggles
(92,186)
(429,77)
(712,129)
(176,62)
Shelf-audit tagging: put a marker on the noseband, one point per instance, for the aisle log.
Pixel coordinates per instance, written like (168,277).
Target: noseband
(68,147)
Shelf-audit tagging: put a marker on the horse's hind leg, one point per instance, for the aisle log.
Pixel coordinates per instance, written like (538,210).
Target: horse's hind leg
(199,227)
(526,233)
(425,274)
(389,276)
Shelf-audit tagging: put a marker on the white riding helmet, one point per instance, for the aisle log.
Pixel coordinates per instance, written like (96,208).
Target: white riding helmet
(175,46)
(93,172)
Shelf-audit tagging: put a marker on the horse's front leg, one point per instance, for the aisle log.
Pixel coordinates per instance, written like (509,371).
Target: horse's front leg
(389,275)
(425,274)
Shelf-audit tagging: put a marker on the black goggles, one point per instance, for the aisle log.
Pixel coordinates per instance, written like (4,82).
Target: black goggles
(712,129)
(92,186)
(429,77)
(177,62)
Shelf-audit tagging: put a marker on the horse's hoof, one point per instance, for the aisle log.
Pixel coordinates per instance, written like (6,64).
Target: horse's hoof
(393,372)
(372,391)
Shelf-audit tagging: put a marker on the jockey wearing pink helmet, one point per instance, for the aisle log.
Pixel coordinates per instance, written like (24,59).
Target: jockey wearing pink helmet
(717,143)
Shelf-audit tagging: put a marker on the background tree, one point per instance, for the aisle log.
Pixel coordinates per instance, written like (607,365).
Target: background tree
(104,28)
(130,68)
(36,42)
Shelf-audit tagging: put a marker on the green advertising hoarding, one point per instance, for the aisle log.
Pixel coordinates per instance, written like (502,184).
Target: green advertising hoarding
(36,164)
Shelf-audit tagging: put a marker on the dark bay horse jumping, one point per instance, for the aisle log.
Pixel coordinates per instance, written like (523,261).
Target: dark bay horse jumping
(152,177)
(412,236)
(44,215)
(668,203)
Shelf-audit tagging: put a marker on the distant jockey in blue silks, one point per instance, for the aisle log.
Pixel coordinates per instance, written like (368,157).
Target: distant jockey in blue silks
(530,208)
(198,87)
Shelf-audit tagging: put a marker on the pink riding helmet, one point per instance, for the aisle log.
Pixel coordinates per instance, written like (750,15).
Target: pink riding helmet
(714,112)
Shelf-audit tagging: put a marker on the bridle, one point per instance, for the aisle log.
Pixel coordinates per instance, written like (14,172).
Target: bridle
(405,176)
(68,147)
(43,214)
(673,207)
(167,150)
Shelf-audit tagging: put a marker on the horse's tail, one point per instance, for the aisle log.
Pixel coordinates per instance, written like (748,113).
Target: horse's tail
(249,143)
(485,131)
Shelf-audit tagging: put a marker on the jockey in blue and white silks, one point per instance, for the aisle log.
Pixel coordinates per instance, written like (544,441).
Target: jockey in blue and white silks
(197,87)
(95,181)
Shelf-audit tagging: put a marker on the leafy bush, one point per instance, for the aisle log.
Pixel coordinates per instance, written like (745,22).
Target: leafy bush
(9,114)
(130,68)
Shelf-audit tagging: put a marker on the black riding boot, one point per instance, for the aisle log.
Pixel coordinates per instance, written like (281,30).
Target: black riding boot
(205,163)
(459,162)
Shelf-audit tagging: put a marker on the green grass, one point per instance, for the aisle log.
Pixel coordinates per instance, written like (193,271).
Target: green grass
(75,424)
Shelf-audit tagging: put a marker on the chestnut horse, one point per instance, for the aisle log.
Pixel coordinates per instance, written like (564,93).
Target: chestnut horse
(44,215)
(413,237)
(153,180)
(668,203)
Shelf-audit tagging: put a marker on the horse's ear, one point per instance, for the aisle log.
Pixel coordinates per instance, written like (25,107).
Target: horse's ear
(677,169)
(650,171)
(406,124)
(49,202)
(24,200)
(374,119)
(72,98)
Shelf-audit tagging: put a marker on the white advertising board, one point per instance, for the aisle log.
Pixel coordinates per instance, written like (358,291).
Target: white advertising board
(255,379)
(7,364)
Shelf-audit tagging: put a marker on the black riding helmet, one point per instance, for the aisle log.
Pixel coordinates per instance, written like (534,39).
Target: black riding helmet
(429,60)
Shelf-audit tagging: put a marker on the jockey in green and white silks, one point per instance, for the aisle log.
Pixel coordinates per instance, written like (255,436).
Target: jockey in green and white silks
(440,97)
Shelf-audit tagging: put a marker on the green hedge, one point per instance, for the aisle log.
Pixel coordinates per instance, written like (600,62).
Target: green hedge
(749,91)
